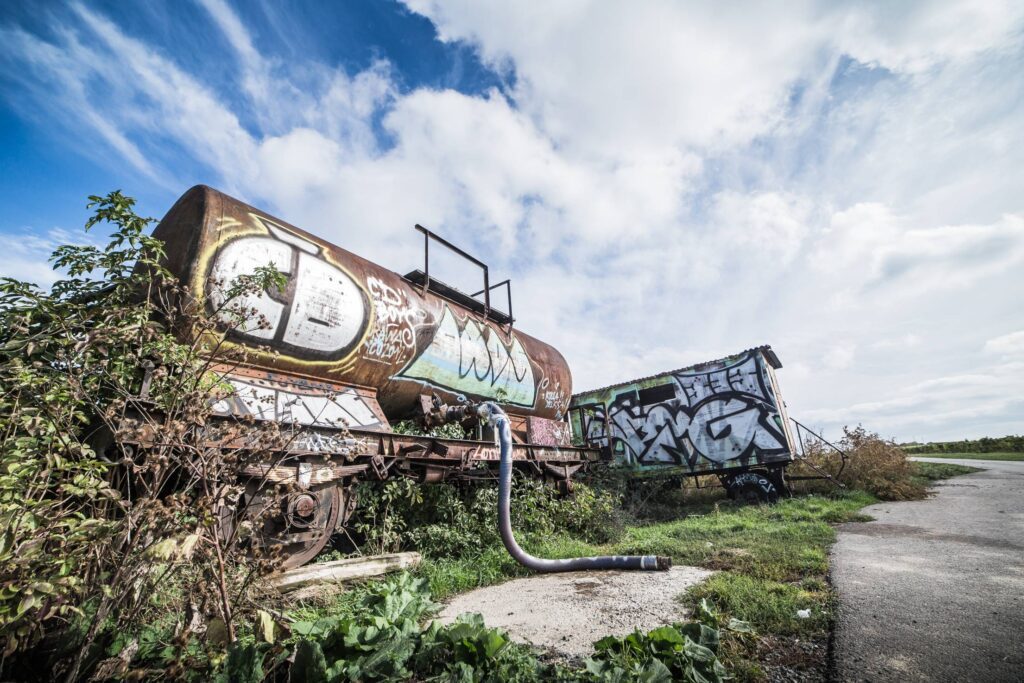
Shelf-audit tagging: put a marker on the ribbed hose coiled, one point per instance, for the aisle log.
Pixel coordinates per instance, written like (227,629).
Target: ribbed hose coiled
(497,419)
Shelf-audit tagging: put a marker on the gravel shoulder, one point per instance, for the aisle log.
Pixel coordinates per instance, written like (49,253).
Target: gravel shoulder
(933,590)
(563,614)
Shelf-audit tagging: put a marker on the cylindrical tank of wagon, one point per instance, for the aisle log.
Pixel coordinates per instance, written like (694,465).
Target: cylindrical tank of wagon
(344,320)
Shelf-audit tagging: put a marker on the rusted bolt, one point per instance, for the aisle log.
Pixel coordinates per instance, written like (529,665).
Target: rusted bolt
(305,505)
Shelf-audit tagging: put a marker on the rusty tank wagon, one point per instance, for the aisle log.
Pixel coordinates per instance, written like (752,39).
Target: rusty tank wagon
(348,348)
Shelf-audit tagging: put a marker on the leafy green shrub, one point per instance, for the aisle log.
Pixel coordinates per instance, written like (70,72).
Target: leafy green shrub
(109,500)
(385,640)
(446,521)
(681,652)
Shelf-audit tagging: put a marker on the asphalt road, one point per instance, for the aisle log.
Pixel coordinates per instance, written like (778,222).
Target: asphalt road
(933,590)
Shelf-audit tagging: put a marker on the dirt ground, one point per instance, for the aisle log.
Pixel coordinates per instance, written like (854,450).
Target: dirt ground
(564,614)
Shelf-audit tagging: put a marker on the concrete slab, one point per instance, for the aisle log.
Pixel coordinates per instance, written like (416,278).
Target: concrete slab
(565,613)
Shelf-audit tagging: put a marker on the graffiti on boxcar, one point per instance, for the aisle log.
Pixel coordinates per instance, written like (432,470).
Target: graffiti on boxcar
(469,357)
(321,312)
(280,402)
(396,319)
(719,414)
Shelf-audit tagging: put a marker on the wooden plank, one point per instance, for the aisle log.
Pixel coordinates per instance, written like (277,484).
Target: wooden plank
(340,571)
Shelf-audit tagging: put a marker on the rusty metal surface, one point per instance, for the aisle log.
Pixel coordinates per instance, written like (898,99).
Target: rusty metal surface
(344,320)
(708,418)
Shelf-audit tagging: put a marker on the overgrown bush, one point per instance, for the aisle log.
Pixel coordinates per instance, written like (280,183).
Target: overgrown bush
(112,502)
(874,464)
(450,520)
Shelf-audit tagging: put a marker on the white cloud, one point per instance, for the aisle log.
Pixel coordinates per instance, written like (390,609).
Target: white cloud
(906,341)
(666,182)
(839,356)
(1011,344)
(946,407)
(882,250)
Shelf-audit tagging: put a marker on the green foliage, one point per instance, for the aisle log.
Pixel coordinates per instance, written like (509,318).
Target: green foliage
(928,472)
(376,643)
(382,516)
(384,639)
(66,356)
(466,650)
(450,430)
(987,444)
(108,498)
(449,521)
(681,652)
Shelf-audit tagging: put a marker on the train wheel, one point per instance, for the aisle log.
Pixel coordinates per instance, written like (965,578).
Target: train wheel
(293,525)
(752,488)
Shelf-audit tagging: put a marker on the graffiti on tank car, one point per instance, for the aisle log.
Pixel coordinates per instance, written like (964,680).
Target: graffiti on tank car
(393,337)
(548,432)
(469,357)
(321,312)
(721,414)
(553,397)
(280,402)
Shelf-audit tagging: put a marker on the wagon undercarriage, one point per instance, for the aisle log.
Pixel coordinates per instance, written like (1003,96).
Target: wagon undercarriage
(292,500)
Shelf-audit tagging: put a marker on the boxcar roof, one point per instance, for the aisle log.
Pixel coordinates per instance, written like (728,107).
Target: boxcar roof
(765,350)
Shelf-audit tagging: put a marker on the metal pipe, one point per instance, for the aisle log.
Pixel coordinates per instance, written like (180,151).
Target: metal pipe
(497,419)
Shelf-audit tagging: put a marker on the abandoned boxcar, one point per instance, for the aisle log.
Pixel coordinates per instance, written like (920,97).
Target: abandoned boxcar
(724,418)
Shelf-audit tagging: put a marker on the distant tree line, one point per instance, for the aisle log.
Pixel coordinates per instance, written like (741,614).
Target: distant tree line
(987,444)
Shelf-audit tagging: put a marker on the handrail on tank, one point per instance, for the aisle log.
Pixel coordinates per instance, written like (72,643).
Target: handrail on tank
(427,236)
(508,290)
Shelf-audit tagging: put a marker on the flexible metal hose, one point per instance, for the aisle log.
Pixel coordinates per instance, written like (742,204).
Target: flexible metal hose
(497,419)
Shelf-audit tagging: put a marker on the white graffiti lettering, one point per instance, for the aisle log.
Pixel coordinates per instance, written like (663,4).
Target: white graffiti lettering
(721,414)
(393,336)
(473,359)
(282,403)
(321,311)
(553,397)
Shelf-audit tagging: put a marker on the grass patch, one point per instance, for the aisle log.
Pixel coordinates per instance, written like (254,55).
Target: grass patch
(450,576)
(771,606)
(783,542)
(928,472)
(972,456)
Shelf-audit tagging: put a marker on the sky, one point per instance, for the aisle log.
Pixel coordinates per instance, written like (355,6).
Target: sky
(664,182)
